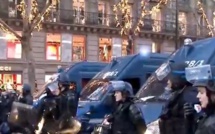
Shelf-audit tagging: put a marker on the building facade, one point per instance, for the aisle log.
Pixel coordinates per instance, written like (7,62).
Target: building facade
(86,30)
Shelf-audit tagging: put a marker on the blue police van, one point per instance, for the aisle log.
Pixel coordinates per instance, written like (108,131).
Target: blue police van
(82,72)
(193,54)
(95,100)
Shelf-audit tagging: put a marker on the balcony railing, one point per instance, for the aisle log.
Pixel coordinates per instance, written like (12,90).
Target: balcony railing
(73,17)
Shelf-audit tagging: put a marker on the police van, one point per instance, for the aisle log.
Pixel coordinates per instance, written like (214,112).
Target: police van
(94,100)
(193,54)
(82,72)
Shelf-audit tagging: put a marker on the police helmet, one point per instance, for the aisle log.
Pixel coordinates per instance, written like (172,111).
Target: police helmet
(177,75)
(122,86)
(202,76)
(175,72)
(26,88)
(63,79)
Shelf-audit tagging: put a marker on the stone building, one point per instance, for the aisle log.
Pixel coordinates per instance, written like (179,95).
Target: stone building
(86,30)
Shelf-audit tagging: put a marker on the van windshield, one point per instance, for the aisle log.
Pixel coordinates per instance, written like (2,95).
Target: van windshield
(92,87)
(152,87)
(99,93)
(156,83)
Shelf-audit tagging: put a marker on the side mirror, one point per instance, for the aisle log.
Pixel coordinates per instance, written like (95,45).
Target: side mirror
(109,100)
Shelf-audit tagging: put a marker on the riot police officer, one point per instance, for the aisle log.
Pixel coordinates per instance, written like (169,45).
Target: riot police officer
(26,95)
(124,118)
(180,91)
(61,103)
(67,103)
(206,95)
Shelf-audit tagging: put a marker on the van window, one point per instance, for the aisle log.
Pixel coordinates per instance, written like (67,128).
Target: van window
(84,81)
(135,82)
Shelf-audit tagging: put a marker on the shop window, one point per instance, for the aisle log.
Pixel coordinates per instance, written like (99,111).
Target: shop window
(53,47)
(79,11)
(78,48)
(11,81)
(14,47)
(105,49)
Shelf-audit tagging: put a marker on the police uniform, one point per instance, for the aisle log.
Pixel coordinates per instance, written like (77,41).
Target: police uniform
(172,116)
(205,78)
(124,119)
(26,97)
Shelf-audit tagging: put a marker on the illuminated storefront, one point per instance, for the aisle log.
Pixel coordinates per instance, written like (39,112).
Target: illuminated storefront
(105,49)
(71,46)
(53,51)
(78,48)
(11,48)
(113,47)
(10,78)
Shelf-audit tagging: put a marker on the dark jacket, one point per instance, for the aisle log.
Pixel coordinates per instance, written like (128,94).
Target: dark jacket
(172,118)
(206,125)
(121,120)
(26,99)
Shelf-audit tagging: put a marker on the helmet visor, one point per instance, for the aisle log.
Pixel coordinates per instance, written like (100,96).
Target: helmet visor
(53,86)
(200,73)
(163,71)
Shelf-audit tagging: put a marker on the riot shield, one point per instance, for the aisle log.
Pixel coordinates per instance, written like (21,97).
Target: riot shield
(22,114)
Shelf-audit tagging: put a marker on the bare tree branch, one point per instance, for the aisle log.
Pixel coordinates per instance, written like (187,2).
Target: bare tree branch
(10,29)
(39,17)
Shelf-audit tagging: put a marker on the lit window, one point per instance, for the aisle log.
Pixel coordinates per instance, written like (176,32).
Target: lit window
(79,11)
(105,49)
(14,47)
(11,81)
(78,48)
(53,47)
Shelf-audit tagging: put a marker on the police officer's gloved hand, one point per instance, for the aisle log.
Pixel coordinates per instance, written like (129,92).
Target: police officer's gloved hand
(189,111)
